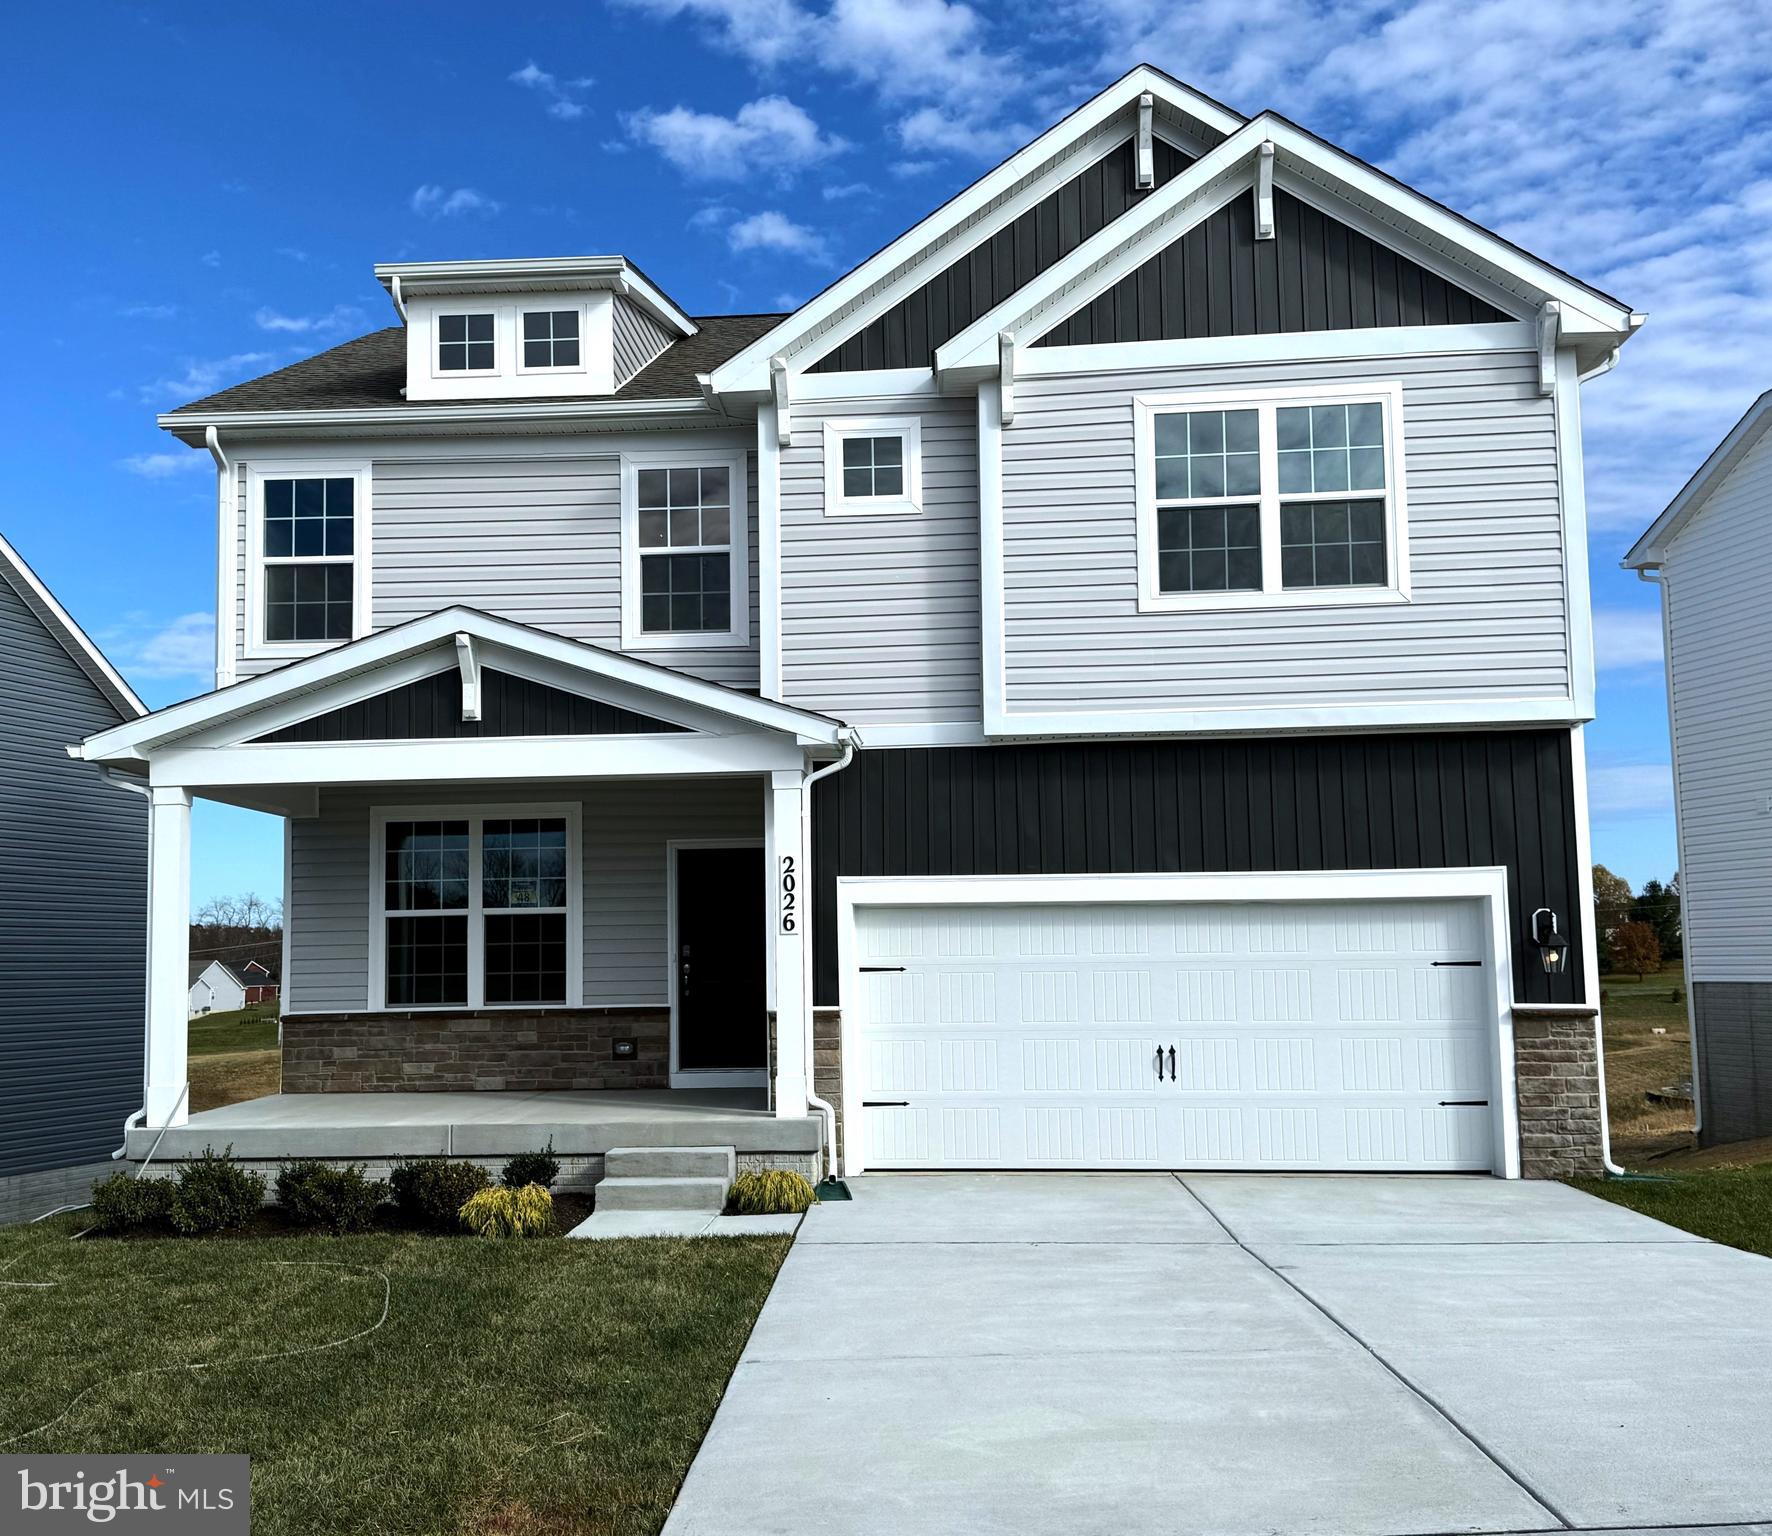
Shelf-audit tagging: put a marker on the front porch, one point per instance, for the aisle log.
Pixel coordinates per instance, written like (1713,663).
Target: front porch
(380,1129)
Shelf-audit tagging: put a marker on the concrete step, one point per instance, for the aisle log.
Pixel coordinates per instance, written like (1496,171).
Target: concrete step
(671,1194)
(670,1163)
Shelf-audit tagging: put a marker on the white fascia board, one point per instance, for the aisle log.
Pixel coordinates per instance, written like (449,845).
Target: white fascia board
(1121,246)
(71,637)
(747,372)
(437,631)
(459,416)
(1651,549)
(532,274)
(1060,724)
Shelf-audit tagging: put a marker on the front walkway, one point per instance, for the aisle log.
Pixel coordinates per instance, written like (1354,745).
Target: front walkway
(1026,1353)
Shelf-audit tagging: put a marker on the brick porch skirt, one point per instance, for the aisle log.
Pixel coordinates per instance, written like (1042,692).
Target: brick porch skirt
(549,1049)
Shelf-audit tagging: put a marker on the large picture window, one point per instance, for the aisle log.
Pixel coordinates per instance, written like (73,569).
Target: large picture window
(306,543)
(1282,497)
(478,909)
(685,560)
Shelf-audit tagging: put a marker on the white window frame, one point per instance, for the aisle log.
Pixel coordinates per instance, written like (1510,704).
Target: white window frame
(500,324)
(837,430)
(735,463)
(1387,394)
(476,817)
(254,644)
(521,312)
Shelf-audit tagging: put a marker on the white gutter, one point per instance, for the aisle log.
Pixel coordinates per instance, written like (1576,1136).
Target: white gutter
(140,787)
(826,1112)
(442,415)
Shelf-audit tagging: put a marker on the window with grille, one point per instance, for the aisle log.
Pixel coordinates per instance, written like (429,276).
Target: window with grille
(685,556)
(307,536)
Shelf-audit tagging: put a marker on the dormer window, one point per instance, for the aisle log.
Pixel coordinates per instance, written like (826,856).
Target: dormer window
(465,343)
(550,339)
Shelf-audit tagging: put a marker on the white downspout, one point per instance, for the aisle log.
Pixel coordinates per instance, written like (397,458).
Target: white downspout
(226,512)
(124,781)
(825,1111)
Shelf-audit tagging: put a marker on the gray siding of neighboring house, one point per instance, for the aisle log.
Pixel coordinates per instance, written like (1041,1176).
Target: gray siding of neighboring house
(638,338)
(625,824)
(1734,1024)
(1718,587)
(73,899)
(880,615)
(1489,617)
(530,534)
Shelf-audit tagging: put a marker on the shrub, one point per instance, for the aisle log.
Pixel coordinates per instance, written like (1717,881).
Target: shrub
(770,1192)
(336,1200)
(123,1202)
(215,1194)
(431,1191)
(525,1212)
(532,1168)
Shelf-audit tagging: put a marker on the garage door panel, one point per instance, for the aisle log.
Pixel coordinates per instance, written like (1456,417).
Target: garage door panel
(1296,1035)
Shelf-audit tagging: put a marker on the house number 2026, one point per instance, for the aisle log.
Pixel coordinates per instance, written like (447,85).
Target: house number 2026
(790,894)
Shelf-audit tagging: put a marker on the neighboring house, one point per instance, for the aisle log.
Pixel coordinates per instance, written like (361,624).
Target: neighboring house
(1711,553)
(221,986)
(1101,685)
(73,883)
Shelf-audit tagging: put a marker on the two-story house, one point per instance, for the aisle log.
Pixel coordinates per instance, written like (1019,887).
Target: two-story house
(1101,685)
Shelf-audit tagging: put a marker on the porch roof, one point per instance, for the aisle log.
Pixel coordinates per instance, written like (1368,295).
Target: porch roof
(221,738)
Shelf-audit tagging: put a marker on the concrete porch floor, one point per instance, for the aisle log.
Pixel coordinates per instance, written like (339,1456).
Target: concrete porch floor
(490,1124)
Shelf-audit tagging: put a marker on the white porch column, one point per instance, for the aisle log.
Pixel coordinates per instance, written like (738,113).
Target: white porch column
(790,894)
(169,952)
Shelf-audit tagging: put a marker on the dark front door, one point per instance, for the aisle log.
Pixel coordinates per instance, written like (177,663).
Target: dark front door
(720,979)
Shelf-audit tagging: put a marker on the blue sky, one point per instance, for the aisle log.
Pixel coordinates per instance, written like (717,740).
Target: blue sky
(197,193)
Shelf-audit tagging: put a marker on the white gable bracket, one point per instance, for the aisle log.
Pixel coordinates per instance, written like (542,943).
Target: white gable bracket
(469,662)
(1264,191)
(784,411)
(1550,324)
(1146,175)
(1006,374)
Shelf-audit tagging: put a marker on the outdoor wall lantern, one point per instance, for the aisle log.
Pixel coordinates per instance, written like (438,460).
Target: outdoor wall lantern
(1551,944)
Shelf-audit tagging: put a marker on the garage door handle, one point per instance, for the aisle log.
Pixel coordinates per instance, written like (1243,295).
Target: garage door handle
(1171,1063)
(871,970)
(1159,1063)
(885,1103)
(1464,1103)
(1455,962)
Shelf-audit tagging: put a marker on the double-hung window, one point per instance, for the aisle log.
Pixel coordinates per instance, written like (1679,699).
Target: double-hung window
(1278,497)
(478,908)
(685,557)
(306,533)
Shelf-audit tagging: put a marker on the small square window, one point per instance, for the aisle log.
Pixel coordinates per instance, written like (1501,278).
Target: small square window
(872,467)
(465,344)
(550,338)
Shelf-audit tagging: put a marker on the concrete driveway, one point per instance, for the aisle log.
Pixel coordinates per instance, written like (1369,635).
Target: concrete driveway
(1030,1353)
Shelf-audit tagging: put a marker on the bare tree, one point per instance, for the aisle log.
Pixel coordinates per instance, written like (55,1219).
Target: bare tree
(238,929)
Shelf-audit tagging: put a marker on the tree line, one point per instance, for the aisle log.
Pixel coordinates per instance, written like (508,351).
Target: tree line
(1636,931)
(238,929)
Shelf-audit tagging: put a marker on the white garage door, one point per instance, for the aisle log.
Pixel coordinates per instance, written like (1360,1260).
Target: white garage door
(1187,1035)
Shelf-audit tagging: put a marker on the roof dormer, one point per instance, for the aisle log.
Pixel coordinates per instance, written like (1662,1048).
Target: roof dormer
(526,329)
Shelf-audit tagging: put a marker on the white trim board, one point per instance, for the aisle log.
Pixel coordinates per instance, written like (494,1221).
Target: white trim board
(1279,715)
(1487,883)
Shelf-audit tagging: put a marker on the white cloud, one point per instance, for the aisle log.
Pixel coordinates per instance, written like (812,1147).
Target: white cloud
(143,647)
(562,96)
(769,134)
(1634,789)
(932,130)
(1627,639)
(712,216)
(149,311)
(847,190)
(292,253)
(339,318)
(767,32)
(210,258)
(434,202)
(203,376)
(162,466)
(773,231)
(788,301)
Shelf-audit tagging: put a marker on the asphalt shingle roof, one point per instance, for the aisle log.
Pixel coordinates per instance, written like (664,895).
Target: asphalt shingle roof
(371,371)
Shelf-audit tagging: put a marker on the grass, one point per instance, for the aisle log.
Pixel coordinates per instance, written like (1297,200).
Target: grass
(1728,1205)
(1640,1062)
(517,1388)
(234,1056)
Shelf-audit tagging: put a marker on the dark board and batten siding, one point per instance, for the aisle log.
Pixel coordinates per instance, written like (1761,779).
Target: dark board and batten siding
(1316,274)
(907,335)
(430,709)
(1170,807)
(73,914)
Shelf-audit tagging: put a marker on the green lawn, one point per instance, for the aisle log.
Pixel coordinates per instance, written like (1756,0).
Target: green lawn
(234,1056)
(1640,1062)
(516,1387)
(1729,1205)
(246,1029)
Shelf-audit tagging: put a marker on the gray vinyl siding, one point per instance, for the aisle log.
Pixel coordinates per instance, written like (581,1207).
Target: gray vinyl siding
(1489,616)
(1734,1023)
(534,537)
(1718,586)
(880,616)
(625,824)
(638,338)
(73,898)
